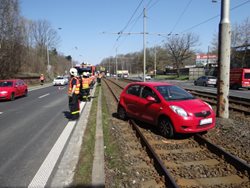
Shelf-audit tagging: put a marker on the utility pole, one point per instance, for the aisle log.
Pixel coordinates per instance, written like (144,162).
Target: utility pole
(224,61)
(155,63)
(48,65)
(116,63)
(144,43)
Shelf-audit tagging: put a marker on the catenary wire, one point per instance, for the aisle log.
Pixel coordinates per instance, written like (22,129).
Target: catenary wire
(209,19)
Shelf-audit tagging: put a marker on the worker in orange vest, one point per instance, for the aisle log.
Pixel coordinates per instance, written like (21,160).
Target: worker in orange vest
(42,79)
(73,93)
(85,90)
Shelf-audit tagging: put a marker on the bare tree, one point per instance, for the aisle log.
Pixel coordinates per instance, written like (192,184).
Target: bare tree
(10,38)
(44,36)
(239,42)
(179,49)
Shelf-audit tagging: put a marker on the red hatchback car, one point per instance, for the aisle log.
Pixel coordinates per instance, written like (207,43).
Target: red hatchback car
(171,108)
(10,89)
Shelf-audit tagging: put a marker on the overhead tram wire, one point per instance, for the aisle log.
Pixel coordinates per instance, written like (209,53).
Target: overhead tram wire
(130,19)
(137,19)
(178,20)
(235,7)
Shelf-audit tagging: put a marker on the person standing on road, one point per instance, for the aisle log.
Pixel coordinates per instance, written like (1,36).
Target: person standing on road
(73,93)
(42,79)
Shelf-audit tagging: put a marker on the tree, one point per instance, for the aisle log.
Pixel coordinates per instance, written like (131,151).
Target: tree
(11,39)
(179,49)
(240,35)
(44,36)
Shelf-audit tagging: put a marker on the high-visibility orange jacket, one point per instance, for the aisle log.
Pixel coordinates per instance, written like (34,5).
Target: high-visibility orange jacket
(85,83)
(77,90)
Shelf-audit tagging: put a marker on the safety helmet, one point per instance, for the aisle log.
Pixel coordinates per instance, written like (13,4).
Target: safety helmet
(73,71)
(85,74)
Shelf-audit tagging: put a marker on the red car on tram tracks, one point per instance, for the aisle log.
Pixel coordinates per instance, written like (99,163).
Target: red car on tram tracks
(167,106)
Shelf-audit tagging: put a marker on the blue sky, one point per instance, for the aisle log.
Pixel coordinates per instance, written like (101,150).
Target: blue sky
(84,21)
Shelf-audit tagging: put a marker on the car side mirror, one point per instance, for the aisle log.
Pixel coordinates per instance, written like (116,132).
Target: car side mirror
(150,99)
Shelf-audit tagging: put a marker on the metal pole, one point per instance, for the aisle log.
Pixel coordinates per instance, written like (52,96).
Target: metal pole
(48,65)
(144,43)
(155,62)
(224,61)
(116,63)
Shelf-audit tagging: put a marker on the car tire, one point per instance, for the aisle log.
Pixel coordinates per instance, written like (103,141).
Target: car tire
(122,114)
(203,133)
(195,83)
(12,96)
(204,84)
(25,93)
(166,127)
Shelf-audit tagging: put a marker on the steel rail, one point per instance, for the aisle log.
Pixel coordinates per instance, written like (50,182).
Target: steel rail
(238,163)
(158,163)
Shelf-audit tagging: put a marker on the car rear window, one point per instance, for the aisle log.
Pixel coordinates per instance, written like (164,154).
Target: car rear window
(211,77)
(59,78)
(6,84)
(170,93)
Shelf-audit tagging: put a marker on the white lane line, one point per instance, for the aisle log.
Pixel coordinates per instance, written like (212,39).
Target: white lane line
(45,170)
(43,95)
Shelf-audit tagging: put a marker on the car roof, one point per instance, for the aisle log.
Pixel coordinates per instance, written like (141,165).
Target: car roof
(152,84)
(9,80)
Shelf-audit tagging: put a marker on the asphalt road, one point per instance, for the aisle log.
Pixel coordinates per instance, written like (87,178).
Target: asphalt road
(29,127)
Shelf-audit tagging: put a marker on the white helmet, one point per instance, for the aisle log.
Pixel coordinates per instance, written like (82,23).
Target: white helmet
(85,74)
(73,71)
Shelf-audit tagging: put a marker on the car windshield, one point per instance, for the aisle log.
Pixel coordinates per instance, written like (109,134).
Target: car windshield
(6,84)
(171,92)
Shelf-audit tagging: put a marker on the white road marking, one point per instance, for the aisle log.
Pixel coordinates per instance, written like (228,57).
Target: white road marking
(45,170)
(61,88)
(43,95)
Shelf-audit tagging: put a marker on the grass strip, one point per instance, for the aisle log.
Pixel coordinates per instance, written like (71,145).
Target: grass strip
(112,151)
(83,171)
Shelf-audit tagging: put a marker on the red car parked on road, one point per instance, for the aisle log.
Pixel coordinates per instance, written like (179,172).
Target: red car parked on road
(167,106)
(10,89)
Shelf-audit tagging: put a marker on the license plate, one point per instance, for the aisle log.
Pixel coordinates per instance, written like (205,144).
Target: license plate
(206,121)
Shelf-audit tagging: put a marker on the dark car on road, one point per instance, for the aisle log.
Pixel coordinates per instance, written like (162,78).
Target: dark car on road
(206,81)
(10,89)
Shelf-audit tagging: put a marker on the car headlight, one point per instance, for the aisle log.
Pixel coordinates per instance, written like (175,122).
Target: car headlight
(179,111)
(3,92)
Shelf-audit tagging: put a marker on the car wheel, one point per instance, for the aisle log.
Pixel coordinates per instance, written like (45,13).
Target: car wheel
(26,93)
(204,84)
(166,128)
(203,133)
(195,83)
(122,113)
(12,97)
